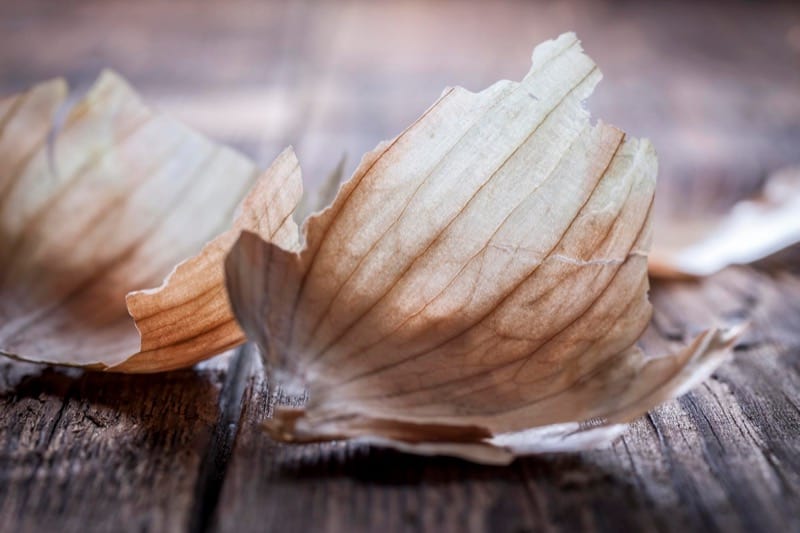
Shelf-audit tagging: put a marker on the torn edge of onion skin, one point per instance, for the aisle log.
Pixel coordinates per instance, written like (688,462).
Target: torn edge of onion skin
(711,349)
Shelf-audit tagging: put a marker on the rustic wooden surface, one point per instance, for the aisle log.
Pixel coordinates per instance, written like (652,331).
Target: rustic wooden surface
(717,88)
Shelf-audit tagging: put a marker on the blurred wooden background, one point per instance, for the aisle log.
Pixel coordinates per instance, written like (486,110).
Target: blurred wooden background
(715,85)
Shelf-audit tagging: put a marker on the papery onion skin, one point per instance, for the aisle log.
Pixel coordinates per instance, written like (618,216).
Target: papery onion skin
(485,269)
(120,196)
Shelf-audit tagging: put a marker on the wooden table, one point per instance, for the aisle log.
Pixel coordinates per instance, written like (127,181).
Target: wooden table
(717,88)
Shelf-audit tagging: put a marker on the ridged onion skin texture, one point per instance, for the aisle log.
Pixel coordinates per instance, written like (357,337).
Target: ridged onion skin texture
(107,205)
(477,287)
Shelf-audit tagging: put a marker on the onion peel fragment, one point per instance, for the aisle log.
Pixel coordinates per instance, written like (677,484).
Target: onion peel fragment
(121,196)
(477,287)
(752,230)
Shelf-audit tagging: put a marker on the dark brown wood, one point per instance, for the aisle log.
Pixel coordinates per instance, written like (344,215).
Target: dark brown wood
(102,451)
(715,85)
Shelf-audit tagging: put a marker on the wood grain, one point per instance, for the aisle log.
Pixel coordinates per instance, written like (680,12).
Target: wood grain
(107,452)
(716,86)
(722,458)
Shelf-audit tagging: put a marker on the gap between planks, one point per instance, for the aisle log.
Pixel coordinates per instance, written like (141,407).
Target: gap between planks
(217,457)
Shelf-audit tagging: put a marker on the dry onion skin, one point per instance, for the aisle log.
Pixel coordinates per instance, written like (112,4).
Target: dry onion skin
(476,289)
(121,196)
(752,230)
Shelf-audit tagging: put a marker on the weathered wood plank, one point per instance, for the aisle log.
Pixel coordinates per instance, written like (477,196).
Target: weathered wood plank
(102,452)
(695,463)
(723,458)
(714,85)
